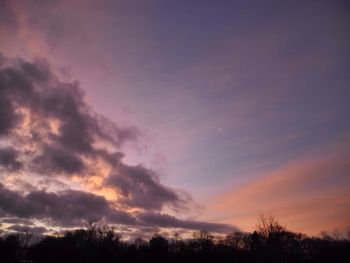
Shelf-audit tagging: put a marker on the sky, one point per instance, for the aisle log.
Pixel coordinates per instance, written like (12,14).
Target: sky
(163,116)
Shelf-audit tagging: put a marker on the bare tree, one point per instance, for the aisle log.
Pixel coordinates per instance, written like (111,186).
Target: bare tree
(203,239)
(26,238)
(268,225)
(236,240)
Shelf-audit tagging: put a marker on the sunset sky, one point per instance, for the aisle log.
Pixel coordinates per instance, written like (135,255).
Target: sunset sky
(163,116)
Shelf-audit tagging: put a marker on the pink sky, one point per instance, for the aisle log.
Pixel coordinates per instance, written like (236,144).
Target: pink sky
(241,107)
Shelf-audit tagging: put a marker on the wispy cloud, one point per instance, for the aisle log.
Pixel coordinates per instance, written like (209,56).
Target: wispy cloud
(309,194)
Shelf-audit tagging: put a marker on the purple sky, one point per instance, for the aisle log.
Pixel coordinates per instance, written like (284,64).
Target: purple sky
(222,109)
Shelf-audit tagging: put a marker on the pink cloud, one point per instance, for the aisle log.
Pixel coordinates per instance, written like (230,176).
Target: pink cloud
(310,194)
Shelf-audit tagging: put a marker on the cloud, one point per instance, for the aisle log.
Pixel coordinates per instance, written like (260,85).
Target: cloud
(28,229)
(8,159)
(57,25)
(54,134)
(165,220)
(15,220)
(59,133)
(34,89)
(71,208)
(65,208)
(308,194)
(8,20)
(58,160)
(140,187)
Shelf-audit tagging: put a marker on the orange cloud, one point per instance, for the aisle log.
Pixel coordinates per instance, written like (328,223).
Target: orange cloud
(307,195)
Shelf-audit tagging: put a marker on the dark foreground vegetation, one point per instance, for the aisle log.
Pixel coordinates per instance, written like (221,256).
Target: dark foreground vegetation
(270,242)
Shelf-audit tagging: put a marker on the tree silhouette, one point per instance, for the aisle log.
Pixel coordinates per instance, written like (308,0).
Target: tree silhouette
(203,239)
(158,243)
(268,225)
(270,242)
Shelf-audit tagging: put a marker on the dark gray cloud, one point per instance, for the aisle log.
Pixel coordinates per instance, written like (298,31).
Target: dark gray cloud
(8,117)
(165,220)
(140,187)
(73,208)
(58,160)
(53,131)
(34,88)
(31,92)
(8,159)
(65,208)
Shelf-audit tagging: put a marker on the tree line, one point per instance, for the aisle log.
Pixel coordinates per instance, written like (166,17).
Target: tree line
(270,242)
